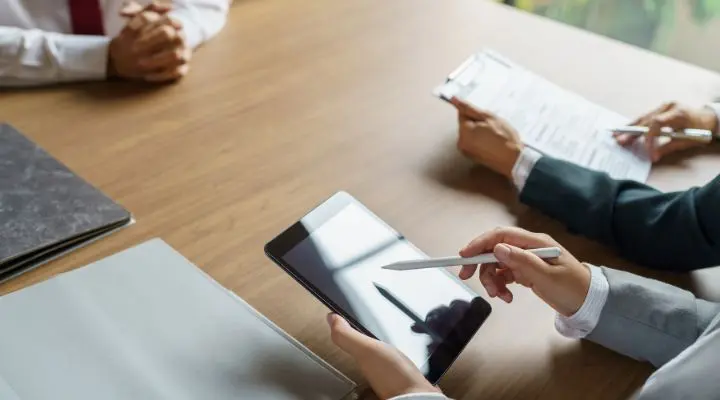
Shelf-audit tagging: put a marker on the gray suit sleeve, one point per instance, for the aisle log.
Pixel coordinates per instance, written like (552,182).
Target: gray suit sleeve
(649,320)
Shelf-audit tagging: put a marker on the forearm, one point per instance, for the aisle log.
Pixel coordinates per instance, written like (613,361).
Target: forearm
(201,19)
(33,57)
(649,320)
(664,230)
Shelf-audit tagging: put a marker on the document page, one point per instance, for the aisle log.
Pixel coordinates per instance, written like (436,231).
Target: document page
(550,119)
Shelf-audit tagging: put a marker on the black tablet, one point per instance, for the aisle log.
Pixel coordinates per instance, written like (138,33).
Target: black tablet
(336,252)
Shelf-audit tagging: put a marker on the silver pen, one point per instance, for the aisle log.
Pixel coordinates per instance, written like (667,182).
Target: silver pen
(698,135)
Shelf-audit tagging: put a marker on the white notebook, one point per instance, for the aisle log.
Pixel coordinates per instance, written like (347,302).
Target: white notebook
(550,119)
(147,324)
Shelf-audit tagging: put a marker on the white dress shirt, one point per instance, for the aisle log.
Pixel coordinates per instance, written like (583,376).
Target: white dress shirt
(37,45)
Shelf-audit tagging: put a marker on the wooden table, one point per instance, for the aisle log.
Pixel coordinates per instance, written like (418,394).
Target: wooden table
(296,100)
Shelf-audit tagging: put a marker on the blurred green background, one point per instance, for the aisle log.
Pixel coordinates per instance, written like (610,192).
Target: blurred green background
(688,30)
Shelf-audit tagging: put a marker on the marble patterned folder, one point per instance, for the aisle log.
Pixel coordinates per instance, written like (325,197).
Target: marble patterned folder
(45,209)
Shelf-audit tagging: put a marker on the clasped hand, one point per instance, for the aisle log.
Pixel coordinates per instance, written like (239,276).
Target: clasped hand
(151,47)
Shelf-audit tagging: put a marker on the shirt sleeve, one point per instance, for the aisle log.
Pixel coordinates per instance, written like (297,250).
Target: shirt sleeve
(586,318)
(31,57)
(523,166)
(201,19)
(422,396)
(716,108)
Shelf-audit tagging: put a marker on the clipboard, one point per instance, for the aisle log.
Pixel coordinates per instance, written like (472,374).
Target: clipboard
(460,81)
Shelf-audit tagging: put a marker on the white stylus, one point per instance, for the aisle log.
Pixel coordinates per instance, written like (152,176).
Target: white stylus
(545,252)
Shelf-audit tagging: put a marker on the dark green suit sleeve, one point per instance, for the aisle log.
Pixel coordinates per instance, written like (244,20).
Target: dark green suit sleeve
(678,231)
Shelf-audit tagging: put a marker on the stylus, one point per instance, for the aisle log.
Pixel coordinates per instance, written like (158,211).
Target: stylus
(545,252)
(407,311)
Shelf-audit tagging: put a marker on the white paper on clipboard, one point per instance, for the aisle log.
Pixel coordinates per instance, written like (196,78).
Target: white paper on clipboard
(550,119)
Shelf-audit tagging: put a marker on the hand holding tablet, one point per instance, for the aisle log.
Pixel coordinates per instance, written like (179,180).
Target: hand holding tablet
(336,252)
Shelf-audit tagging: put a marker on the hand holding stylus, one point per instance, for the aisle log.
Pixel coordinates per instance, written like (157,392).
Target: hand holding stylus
(561,282)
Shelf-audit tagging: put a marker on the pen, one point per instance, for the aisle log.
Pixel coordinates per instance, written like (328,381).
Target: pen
(545,252)
(699,135)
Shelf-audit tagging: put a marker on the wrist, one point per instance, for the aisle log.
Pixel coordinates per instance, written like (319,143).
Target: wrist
(513,154)
(708,119)
(111,71)
(581,288)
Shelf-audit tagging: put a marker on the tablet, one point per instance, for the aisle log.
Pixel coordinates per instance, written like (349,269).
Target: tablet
(336,252)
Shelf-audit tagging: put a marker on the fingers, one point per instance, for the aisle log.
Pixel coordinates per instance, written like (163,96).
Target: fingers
(672,147)
(168,59)
(131,8)
(168,75)
(467,272)
(495,280)
(159,34)
(346,337)
(674,118)
(142,19)
(521,262)
(649,120)
(510,235)
(624,139)
(467,110)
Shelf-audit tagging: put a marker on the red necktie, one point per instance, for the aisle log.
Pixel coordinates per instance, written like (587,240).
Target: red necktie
(86,17)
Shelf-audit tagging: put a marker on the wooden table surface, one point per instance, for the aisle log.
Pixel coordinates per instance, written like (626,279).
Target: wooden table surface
(296,100)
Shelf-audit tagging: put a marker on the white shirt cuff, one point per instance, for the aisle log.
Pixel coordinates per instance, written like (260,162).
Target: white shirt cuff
(200,23)
(716,108)
(421,396)
(523,166)
(586,318)
(82,57)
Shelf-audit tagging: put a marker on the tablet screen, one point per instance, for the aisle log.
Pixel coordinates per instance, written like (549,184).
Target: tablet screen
(427,314)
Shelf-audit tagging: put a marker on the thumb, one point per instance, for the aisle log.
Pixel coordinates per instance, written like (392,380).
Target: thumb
(346,337)
(130,8)
(524,264)
(467,110)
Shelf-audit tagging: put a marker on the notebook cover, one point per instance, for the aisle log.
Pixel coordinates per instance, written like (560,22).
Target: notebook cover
(42,203)
(147,324)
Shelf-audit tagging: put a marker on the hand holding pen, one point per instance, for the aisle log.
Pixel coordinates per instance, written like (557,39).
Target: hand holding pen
(686,127)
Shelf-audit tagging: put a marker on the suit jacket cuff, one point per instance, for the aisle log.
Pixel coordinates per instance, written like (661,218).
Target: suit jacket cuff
(523,166)
(586,318)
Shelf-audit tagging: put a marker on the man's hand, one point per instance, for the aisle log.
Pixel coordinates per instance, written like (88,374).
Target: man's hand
(151,47)
(487,139)
(388,371)
(562,283)
(676,117)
